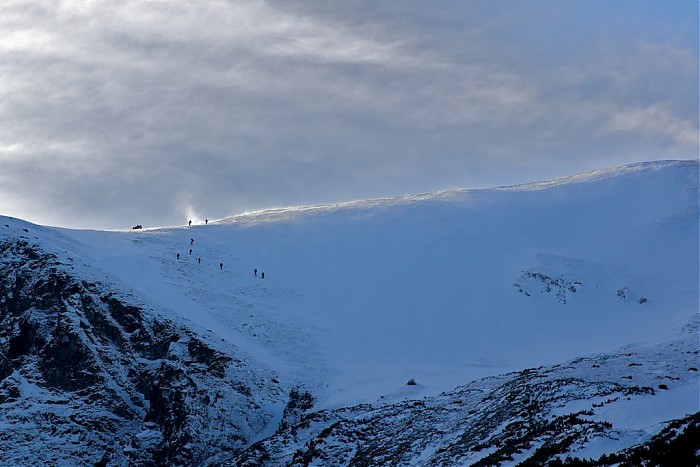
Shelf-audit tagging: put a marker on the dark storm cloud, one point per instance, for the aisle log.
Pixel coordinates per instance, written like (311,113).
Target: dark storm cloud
(122,112)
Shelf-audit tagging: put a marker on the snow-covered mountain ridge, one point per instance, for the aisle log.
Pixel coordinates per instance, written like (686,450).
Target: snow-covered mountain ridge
(595,175)
(359,298)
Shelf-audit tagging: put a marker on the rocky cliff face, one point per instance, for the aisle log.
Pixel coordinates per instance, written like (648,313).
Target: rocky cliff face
(87,377)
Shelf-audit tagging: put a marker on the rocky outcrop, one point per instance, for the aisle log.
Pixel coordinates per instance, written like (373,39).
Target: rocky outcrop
(87,378)
(530,281)
(532,417)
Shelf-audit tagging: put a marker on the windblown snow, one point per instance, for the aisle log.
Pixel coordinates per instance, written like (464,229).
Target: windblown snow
(441,288)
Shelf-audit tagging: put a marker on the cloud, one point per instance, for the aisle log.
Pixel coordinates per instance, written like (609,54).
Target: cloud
(654,121)
(114,112)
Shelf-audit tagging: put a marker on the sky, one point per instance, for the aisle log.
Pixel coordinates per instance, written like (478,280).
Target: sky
(122,112)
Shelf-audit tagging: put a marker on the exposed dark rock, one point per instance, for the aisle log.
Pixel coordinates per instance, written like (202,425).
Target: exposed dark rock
(677,444)
(511,419)
(561,288)
(109,383)
(298,405)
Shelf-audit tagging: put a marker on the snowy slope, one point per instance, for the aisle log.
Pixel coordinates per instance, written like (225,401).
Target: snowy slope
(445,288)
(92,374)
(442,288)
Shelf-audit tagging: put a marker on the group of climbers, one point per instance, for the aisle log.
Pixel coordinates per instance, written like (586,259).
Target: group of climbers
(221,265)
